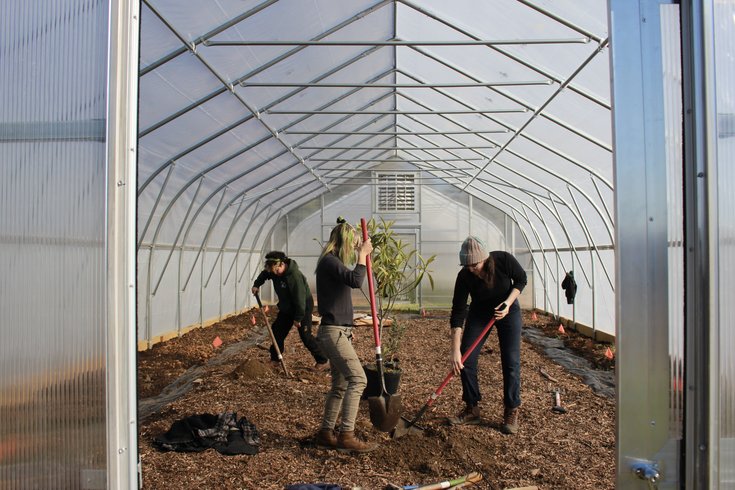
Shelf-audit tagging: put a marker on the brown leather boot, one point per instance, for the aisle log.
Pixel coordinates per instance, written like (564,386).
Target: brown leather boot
(325,439)
(347,443)
(510,420)
(469,416)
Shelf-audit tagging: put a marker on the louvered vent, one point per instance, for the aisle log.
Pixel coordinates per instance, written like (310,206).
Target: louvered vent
(396,192)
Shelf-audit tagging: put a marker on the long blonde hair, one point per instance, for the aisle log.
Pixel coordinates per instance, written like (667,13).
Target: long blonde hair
(342,242)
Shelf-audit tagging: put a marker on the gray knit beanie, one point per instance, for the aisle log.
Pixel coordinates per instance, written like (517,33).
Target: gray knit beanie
(472,251)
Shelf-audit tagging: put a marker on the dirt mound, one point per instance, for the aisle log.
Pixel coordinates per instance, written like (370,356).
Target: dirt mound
(251,369)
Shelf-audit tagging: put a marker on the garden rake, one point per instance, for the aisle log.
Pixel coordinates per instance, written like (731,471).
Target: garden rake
(405,426)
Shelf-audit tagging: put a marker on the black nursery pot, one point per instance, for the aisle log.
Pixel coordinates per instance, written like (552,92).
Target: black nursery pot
(391,373)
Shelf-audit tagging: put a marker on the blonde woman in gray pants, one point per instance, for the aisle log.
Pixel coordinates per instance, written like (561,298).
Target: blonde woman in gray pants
(334,284)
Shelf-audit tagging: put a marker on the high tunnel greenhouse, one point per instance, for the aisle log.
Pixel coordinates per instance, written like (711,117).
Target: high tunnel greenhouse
(152,152)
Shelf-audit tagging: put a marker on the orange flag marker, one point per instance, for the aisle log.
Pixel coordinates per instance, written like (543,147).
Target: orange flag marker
(217,342)
(534,317)
(252,319)
(561,328)
(609,353)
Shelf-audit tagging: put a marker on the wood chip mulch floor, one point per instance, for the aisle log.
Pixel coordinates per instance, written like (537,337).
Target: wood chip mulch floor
(188,375)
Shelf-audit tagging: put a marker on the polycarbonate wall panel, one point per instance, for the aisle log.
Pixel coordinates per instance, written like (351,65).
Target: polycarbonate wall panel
(161,304)
(143,256)
(232,296)
(671,59)
(579,309)
(53,239)
(183,299)
(590,286)
(440,227)
(594,303)
(724,55)
(211,288)
(604,296)
(540,295)
(248,267)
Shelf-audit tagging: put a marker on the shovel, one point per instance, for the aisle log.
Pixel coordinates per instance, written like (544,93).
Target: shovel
(385,409)
(405,426)
(273,338)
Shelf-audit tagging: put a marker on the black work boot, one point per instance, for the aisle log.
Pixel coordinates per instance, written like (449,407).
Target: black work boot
(469,416)
(510,420)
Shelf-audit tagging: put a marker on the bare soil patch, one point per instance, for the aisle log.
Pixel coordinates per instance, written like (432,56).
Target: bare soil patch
(575,450)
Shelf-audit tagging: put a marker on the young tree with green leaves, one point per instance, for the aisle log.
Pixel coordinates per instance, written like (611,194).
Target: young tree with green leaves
(398,270)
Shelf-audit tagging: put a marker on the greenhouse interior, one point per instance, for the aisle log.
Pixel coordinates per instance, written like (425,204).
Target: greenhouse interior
(154,151)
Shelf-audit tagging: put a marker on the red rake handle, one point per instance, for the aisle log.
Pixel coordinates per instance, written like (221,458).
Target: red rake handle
(439,390)
(464,358)
(371,288)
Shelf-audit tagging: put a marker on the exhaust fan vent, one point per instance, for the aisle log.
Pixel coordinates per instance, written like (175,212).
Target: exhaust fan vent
(396,192)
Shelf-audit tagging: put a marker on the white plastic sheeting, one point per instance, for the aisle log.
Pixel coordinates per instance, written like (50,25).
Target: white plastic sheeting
(53,239)
(249,110)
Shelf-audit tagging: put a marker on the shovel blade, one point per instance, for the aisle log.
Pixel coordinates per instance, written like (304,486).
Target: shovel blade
(404,427)
(385,411)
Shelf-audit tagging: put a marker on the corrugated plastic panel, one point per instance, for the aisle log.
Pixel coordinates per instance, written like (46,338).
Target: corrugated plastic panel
(724,55)
(53,181)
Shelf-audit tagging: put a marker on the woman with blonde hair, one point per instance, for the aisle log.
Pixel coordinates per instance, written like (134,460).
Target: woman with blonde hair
(334,285)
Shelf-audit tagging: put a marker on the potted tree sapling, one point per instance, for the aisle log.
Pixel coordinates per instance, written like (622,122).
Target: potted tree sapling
(398,270)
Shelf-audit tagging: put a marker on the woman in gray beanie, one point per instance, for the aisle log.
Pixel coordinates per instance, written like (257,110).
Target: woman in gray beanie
(493,282)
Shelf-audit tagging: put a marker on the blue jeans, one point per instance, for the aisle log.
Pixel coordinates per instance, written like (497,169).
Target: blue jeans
(509,339)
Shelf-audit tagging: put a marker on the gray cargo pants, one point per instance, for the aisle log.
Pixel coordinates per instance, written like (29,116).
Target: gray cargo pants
(348,377)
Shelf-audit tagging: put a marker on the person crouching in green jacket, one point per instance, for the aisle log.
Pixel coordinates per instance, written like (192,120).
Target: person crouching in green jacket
(295,304)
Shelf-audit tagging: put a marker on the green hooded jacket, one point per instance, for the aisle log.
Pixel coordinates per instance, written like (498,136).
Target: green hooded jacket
(292,289)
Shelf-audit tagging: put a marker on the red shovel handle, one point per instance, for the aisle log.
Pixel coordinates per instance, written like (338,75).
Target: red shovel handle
(449,376)
(464,358)
(371,288)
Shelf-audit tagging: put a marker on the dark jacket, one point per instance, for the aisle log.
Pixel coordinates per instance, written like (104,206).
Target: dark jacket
(334,285)
(508,275)
(570,287)
(292,289)
(224,432)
